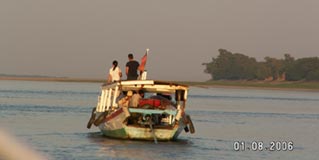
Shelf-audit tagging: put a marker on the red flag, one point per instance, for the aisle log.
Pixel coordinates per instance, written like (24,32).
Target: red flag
(143,62)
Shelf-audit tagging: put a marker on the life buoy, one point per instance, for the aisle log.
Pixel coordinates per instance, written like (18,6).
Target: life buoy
(92,119)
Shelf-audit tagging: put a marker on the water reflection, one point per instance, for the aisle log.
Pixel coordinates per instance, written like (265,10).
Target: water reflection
(133,149)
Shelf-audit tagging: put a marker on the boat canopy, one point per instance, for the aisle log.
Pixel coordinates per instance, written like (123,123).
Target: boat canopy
(147,85)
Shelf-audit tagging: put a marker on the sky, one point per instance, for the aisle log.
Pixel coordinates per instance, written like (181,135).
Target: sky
(81,38)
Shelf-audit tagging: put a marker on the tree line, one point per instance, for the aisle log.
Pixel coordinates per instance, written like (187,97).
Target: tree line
(236,66)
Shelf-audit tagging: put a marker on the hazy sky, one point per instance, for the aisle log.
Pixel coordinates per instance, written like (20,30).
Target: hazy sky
(81,38)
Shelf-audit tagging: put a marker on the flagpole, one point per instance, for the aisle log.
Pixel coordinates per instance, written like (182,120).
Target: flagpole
(143,73)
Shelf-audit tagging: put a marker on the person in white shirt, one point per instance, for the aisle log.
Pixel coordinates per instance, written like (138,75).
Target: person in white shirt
(115,73)
(136,98)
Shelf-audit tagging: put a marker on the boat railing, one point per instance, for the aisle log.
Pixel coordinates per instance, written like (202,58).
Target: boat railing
(169,120)
(107,99)
(147,111)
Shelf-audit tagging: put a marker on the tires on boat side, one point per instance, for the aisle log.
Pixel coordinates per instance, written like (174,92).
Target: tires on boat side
(92,119)
(100,118)
(191,125)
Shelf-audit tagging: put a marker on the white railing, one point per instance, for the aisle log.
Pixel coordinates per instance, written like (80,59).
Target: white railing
(107,100)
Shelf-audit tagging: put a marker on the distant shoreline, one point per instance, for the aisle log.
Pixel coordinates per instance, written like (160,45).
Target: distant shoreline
(53,79)
(268,85)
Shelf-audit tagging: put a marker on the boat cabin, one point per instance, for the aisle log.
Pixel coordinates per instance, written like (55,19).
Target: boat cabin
(144,98)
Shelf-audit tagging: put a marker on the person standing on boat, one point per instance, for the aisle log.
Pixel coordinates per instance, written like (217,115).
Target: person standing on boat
(115,73)
(131,68)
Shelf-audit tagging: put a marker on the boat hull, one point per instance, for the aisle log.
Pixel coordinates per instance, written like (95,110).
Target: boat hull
(141,133)
(114,126)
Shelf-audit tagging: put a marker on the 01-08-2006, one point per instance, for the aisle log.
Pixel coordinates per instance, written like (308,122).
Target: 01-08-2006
(261,146)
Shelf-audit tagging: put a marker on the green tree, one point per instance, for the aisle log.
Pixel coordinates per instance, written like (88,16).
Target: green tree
(276,66)
(303,69)
(231,66)
(236,66)
(262,71)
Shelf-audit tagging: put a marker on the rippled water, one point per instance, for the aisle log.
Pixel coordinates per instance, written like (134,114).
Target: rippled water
(51,117)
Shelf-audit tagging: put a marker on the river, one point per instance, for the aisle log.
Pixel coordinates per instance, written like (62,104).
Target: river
(51,118)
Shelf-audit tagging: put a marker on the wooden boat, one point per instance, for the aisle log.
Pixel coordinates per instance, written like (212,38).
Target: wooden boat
(158,115)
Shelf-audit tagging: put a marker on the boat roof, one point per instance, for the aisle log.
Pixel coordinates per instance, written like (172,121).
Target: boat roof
(147,85)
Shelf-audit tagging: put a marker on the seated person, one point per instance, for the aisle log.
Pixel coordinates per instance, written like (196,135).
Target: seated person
(136,98)
(124,102)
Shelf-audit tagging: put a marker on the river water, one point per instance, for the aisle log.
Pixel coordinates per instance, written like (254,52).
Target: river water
(51,118)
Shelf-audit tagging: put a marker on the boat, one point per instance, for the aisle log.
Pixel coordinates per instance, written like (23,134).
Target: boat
(159,115)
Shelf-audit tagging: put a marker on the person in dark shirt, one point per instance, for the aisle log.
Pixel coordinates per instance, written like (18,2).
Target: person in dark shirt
(131,68)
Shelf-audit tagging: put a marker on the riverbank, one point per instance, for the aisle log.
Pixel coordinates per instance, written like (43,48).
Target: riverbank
(283,85)
(279,85)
